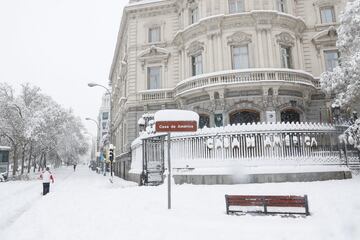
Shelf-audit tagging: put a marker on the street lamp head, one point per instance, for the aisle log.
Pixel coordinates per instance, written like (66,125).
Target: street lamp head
(87,118)
(92,84)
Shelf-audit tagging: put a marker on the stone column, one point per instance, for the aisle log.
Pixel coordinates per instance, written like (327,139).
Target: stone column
(260,47)
(210,48)
(271,49)
(187,65)
(186,17)
(300,52)
(180,65)
(220,57)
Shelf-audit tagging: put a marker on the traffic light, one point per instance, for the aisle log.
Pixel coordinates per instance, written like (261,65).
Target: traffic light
(111,154)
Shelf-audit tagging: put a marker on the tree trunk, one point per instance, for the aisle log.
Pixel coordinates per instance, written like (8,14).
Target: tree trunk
(15,163)
(45,159)
(23,159)
(40,161)
(29,159)
(34,160)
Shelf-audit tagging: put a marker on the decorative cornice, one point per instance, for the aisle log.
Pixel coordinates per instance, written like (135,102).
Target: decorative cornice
(154,54)
(285,38)
(326,37)
(321,3)
(195,47)
(258,19)
(239,38)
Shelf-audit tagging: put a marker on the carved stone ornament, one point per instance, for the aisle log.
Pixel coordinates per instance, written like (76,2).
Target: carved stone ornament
(191,4)
(195,47)
(154,54)
(326,3)
(285,39)
(239,38)
(327,37)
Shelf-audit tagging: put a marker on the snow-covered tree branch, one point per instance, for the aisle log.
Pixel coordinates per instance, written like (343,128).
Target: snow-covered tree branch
(38,129)
(344,80)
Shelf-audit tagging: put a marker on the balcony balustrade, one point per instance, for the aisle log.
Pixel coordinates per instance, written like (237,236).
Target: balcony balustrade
(232,77)
(247,76)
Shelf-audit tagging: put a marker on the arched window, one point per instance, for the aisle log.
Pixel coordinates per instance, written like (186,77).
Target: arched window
(290,115)
(204,120)
(244,116)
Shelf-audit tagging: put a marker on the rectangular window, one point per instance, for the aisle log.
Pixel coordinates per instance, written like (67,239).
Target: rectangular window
(281,5)
(194,17)
(285,53)
(154,34)
(240,57)
(197,66)
(4,156)
(154,77)
(327,14)
(105,115)
(236,6)
(331,59)
(104,125)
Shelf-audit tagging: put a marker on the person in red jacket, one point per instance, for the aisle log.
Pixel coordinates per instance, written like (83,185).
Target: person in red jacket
(46,177)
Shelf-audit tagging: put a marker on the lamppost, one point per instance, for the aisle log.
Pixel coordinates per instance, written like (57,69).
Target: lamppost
(110,113)
(97,136)
(109,92)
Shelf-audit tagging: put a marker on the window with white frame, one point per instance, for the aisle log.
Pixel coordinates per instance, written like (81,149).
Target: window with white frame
(327,14)
(154,34)
(196,64)
(240,57)
(154,77)
(236,6)
(331,59)
(281,5)
(194,15)
(285,54)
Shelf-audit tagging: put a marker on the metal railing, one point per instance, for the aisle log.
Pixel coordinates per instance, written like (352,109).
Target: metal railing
(260,144)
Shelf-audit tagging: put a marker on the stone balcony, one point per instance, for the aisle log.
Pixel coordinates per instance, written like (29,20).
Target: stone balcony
(155,95)
(233,78)
(246,78)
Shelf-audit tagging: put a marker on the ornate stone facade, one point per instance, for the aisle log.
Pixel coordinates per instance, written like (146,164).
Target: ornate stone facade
(260,63)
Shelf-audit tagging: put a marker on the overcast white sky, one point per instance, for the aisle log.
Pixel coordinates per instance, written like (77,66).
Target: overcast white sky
(60,46)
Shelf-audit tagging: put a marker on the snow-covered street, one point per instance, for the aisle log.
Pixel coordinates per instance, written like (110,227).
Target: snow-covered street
(85,205)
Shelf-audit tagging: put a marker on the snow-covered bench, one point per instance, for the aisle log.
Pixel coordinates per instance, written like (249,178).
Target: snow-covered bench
(269,204)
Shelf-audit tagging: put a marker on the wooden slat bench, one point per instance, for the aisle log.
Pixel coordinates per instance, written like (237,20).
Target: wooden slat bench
(267,201)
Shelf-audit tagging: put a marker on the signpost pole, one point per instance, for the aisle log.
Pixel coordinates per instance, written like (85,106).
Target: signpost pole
(168,121)
(169,172)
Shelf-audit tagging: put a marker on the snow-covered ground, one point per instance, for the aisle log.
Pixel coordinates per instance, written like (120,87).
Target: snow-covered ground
(85,205)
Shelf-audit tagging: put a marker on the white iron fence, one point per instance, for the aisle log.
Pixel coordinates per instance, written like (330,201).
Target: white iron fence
(261,144)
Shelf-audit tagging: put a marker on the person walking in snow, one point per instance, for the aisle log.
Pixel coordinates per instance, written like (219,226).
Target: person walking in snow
(74,167)
(46,177)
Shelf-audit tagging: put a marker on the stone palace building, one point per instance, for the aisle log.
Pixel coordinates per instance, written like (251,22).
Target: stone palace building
(231,61)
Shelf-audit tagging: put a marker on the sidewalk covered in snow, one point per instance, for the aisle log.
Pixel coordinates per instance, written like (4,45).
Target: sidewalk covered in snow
(85,205)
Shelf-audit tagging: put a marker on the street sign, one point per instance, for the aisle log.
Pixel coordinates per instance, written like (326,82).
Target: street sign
(173,120)
(176,126)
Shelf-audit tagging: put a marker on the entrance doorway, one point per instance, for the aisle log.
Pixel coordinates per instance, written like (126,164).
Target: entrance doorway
(290,115)
(244,117)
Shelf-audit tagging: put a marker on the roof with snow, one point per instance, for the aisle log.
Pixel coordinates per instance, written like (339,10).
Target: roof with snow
(176,115)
